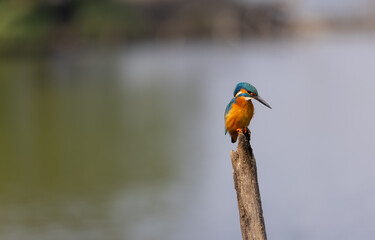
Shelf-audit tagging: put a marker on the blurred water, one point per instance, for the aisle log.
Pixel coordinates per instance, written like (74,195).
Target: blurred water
(131,145)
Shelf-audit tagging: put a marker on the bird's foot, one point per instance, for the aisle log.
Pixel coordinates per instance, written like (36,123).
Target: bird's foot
(245,131)
(239,130)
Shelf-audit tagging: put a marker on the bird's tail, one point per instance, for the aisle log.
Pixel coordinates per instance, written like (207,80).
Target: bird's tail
(234,136)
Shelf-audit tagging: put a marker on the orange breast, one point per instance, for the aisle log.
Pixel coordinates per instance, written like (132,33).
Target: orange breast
(239,116)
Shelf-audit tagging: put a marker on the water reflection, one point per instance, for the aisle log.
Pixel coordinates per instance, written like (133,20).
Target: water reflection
(72,141)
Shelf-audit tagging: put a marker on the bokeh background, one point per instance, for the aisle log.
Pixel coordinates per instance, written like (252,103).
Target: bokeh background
(111,117)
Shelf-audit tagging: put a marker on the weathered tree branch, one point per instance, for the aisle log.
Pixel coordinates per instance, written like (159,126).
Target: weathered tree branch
(248,196)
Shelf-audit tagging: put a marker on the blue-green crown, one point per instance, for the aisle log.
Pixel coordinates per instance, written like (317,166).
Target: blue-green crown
(247,86)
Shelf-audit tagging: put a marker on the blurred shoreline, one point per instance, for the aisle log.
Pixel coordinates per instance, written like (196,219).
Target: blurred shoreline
(44,27)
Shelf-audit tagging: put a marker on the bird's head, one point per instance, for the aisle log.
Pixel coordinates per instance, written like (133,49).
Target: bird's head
(248,91)
(243,87)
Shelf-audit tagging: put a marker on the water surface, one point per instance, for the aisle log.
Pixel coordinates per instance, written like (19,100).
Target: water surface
(131,145)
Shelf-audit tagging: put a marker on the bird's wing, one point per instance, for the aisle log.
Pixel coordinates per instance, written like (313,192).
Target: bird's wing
(229,106)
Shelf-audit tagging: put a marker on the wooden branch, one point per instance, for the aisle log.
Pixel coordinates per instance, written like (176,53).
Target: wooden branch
(248,196)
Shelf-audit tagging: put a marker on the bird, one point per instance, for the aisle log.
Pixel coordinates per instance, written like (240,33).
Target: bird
(240,109)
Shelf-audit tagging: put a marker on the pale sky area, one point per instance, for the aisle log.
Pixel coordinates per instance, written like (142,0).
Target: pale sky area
(327,8)
(336,7)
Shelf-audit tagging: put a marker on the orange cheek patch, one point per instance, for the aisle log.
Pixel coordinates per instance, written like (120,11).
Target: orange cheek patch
(243,91)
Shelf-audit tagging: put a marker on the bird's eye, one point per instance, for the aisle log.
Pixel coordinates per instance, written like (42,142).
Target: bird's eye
(252,94)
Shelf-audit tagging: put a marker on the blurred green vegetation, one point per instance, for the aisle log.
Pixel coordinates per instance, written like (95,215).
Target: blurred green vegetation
(108,20)
(42,26)
(30,27)
(24,25)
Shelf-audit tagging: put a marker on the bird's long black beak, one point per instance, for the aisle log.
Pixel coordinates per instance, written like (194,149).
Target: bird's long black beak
(262,101)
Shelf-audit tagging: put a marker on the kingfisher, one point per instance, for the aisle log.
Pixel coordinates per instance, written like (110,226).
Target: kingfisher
(240,109)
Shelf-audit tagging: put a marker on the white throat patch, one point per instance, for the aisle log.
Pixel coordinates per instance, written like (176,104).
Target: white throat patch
(238,93)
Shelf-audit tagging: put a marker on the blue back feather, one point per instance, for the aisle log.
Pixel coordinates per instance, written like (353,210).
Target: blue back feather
(229,106)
